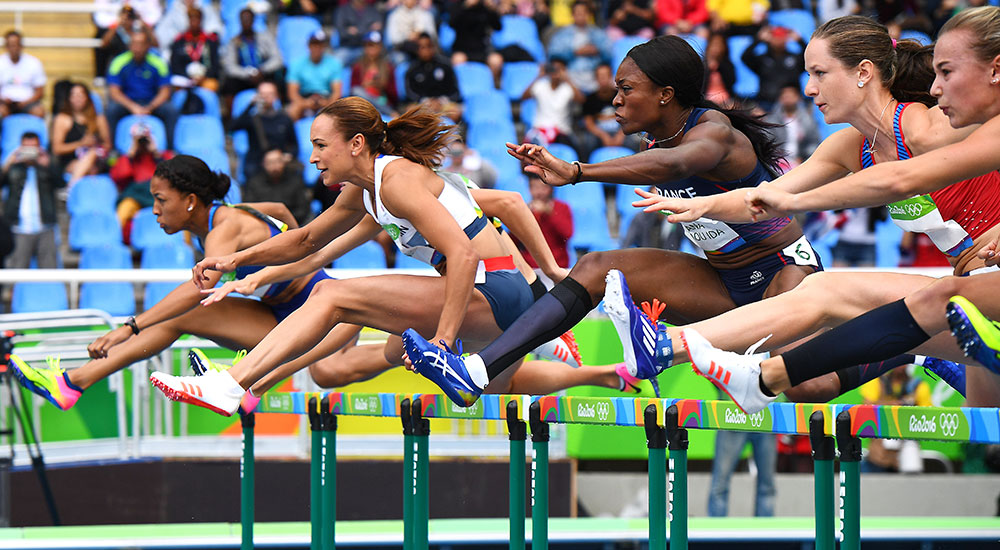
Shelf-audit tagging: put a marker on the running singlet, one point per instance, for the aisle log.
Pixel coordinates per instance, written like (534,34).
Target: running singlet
(274,225)
(952,217)
(455,197)
(715,237)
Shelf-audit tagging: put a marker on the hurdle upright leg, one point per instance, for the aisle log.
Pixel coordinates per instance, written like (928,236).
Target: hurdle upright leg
(315,474)
(421,496)
(328,481)
(677,438)
(539,479)
(822,449)
(850,483)
(656,441)
(409,453)
(247,421)
(518,435)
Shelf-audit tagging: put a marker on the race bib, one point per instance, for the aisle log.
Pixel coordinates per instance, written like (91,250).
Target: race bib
(712,236)
(801,252)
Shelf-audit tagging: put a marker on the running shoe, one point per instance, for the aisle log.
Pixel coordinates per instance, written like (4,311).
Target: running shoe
(563,349)
(641,337)
(443,367)
(214,390)
(977,335)
(735,374)
(200,363)
(951,372)
(631,384)
(52,382)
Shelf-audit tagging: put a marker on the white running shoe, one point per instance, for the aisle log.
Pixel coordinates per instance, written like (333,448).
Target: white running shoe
(737,375)
(215,390)
(563,349)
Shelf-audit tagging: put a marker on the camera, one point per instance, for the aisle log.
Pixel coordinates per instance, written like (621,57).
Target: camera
(27,153)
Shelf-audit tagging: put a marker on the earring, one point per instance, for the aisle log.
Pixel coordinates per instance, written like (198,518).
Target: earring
(190,208)
(663,102)
(861,84)
(995,80)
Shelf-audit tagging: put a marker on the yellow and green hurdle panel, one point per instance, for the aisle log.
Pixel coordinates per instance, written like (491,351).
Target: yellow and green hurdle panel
(666,422)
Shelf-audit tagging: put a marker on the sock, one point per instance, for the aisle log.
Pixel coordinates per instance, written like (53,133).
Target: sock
(763,387)
(553,314)
(854,377)
(878,335)
(477,370)
(538,289)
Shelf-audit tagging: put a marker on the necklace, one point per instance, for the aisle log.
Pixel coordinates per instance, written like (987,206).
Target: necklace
(871,147)
(653,142)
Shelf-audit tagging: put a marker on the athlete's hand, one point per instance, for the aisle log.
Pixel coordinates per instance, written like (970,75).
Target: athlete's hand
(677,210)
(989,252)
(543,164)
(98,349)
(245,287)
(766,202)
(224,264)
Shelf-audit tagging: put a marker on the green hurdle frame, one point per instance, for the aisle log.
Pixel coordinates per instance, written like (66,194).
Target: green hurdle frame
(665,421)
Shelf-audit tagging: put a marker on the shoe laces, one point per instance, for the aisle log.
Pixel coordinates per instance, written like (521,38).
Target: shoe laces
(653,311)
(753,348)
(458,346)
(239,356)
(53,362)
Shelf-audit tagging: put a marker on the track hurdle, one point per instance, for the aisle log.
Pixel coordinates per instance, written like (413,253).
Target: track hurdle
(666,422)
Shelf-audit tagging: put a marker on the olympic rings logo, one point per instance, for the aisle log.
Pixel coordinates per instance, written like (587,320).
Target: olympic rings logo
(757,419)
(949,424)
(603,411)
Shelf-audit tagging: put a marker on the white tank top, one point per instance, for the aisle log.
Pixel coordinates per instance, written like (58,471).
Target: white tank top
(454,196)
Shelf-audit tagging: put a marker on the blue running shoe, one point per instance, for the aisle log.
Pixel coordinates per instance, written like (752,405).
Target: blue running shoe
(977,335)
(639,335)
(951,372)
(443,367)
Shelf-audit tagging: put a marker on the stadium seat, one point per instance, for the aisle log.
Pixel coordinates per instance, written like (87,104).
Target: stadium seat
(486,134)
(14,126)
(234,195)
(217,160)
(400,75)
(405,262)
(487,105)
(699,43)
(94,228)
(516,76)
(800,21)
(167,256)
(123,135)
(309,172)
(92,193)
(473,78)
(516,182)
(527,113)
(241,101)
(521,31)
(208,98)
(620,48)
(116,298)
(35,297)
(231,20)
(98,102)
(563,152)
(293,36)
(916,35)
(367,256)
(446,37)
(747,82)
(195,134)
(146,231)
(590,230)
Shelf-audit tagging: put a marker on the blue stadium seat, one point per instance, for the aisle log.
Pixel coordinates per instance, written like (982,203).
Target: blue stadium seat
(586,196)
(446,37)
(602,154)
(293,36)
(208,98)
(309,172)
(15,125)
(123,135)
(826,130)
(516,76)
(367,256)
(527,113)
(194,134)
(800,21)
(234,195)
(94,228)
(116,298)
(590,230)
(916,35)
(699,43)
(620,48)
(473,78)
(167,256)
(747,82)
(522,31)
(36,297)
(98,101)
(563,152)
(146,231)
(92,193)
(241,101)
(405,262)
(155,292)
(487,105)
(217,160)
(231,20)
(399,73)
(486,134)
(516,182)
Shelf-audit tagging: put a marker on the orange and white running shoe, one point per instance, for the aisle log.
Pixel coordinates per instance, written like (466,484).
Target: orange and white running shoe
(736,374)
(215,390)
(562,349)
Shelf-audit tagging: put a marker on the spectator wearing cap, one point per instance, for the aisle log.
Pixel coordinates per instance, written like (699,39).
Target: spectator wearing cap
(31,178)
(268,127)
(132,172)
(373,76)
(248,59)
(404,24)
(776,66)
(582,45)
(314,80)
(194,54)
(139,84)
(22,79)
(431,80)
(353,21)
(116,20)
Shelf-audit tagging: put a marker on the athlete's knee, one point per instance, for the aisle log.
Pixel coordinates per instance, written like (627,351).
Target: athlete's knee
(933,298)
(329,376)
(325,295)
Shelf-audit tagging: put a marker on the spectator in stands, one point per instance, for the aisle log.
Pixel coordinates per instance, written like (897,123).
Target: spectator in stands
(31,179)
(22,79)
(602,129)
(248,59)
(797,133)
(582,45)
(777,67)
(728,449)
(268,128)
(555,219)
(280,181)
(132,171)
(175,21)
(856,245)
(139,84)
(832,9)
(353,21)
(81,138)
(468,162)
(321,9)
(116,20)
(732,17)
(431,80)
(631,18)
(555,95)
(404,24)
(474,21)
(194,55)
(682,17)
(314,80)
(721,74)
(373,76)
